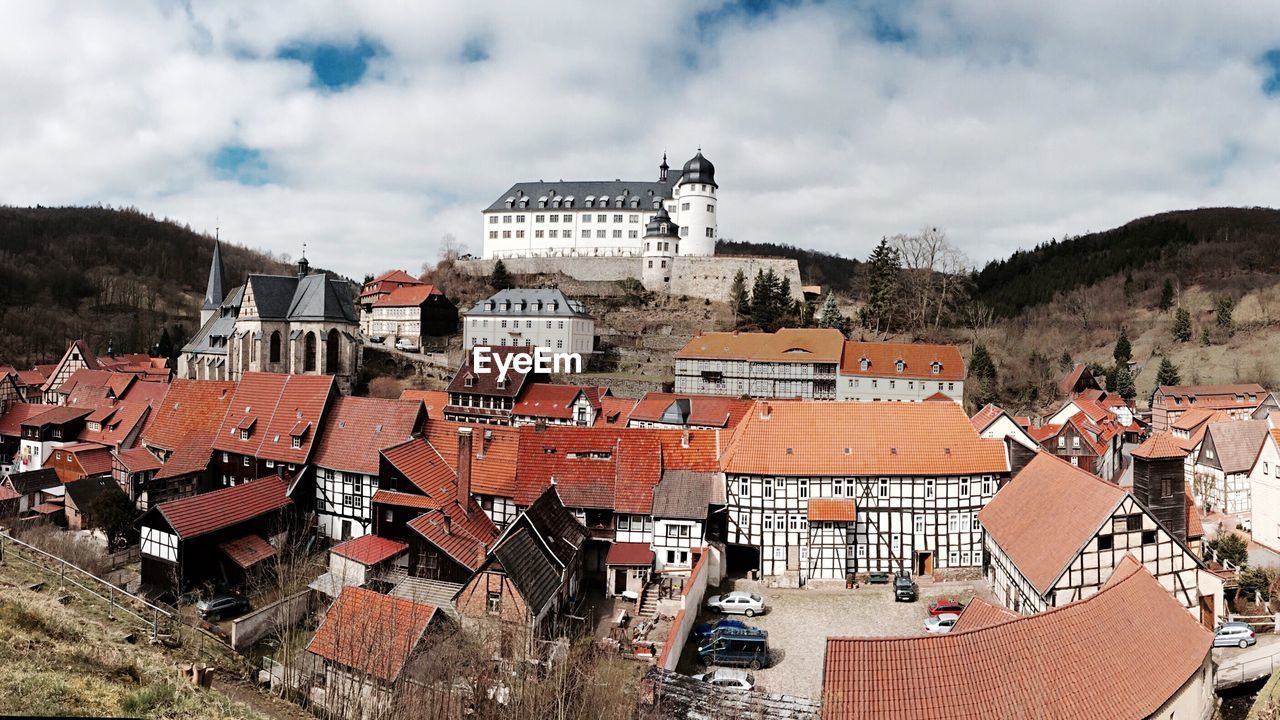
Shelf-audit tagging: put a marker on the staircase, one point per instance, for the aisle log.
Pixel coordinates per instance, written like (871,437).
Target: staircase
(648,606)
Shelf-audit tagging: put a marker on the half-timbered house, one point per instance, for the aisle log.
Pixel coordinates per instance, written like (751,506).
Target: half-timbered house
(483,395)
(688,412)
(78,356)
(271,425)
(918,474)
(180,435)
(680,505)
(1040,556)
(558,405)
(494,451)
(1225,466)
(1169,402)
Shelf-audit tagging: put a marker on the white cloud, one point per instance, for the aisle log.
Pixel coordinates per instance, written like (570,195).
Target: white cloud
(1003,125)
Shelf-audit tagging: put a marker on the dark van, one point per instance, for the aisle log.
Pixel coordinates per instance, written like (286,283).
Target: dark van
(733,647)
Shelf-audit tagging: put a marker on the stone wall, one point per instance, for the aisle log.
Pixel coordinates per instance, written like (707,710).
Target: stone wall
(693,276)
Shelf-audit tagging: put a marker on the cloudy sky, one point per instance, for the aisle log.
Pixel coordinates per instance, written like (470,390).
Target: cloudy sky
(369,130)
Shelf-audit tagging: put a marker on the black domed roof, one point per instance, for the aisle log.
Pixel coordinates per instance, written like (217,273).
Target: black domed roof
(662,225)
(699,170)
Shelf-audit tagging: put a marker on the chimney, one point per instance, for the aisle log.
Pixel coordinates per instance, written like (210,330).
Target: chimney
(765,410)
(464,470)
(684,439)
(448,524)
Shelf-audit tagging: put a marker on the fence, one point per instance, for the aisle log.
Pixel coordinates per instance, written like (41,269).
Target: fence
(122,606)
(694,588)
(1229,676)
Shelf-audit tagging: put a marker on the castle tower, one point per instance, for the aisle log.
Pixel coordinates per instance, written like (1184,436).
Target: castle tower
(694,201)
(214,293)
(661,240)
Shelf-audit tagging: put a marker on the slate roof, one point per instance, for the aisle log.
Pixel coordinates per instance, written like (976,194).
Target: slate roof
(556,525)
(356,428)
(1238,443)
(221,325)
(31,481)
(792,437)
(646,193)
(370,632)
(1029,520)
(683,494)
(369,549)
(247,550)
(214,292)
(526,562)
(201,514)
(1032,666)
(486,383)
(802,345)
(83,493)
(463,536)
(529,302)
(917,358)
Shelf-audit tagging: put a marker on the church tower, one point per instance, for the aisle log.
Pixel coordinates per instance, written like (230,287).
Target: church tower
(214,293)
(695,207)
(661,240)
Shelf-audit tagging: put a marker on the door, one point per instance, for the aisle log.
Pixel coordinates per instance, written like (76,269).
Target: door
(346,529)
(619,581)
(924,563)
(793,557)
(1207,618)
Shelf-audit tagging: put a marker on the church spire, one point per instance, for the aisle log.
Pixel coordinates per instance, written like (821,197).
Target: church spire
(214,293)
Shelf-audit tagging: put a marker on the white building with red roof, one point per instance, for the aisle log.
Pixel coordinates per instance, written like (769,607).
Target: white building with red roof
(408,314)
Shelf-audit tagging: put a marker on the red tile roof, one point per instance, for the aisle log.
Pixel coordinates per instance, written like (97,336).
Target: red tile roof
(200,514)
(703,410)
(982,419)
(805,345)
(1195,528)
(835,509)
(615,410)
(422,465)
(278,403)
(917,360)
(248,550)
(387,282)
(939,397)
(1217,397)
(8,493)
(57,415)
(493,454)
(629,554)
(1033,666)
(49,508)
(1027,518)
(31,378)
(391,497)
(93,459)
(605,468)
(697,450)
(547,400)
(11,421)
(369,549)
(370,632)
(185,423)
(433,400)
(356,428)
(979,614)
(138,460)
(465,537)
(790,437)
(1159,446)
(408,296)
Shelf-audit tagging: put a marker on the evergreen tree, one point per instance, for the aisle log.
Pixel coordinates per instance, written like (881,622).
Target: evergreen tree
(1205,340)
(1168,373)
(1182,326)
(1064,362)
(1128,286)
(983,370)
(500,279)
(164,348)
(1166,295)
(1123,351)
(739,299)
(1222,312)
(771,305)
(831,316)
(1124,385)
(884,269)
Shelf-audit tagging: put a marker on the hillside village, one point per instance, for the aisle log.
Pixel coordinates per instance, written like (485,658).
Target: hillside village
(797,468)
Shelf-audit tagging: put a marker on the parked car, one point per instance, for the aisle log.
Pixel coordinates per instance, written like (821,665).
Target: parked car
(943,605)
(379,339)
(737,602)
(1234,634)
(736,647)
(704,630)
(728,678)
(904,588)
(406,346)
(940,623)
(218,607)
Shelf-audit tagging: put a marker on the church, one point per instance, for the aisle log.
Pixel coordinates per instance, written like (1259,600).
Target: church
(305,324)
(674,216)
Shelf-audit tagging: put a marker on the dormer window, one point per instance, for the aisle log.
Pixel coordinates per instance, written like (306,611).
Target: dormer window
(297,441)
(936,367)
(864,364)
(244,434)
(469,381)
(900,366)
(502,384)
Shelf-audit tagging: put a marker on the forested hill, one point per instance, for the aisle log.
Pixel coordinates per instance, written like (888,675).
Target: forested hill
(1189,245)
(99,274)
(832,272)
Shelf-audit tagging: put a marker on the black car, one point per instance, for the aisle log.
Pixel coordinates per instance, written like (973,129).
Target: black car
(904,588)
(222,606)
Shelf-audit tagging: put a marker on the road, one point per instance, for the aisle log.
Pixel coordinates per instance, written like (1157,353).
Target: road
(1236,666)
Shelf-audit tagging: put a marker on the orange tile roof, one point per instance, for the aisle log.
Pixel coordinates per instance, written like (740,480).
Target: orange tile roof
(1193,418)
(982,419)
(803,345)
(615,410)
(548,400)
(697,450)
(1028,517)
(1161,445)
(433,400)
(138,460)
(917,359)
(93,459)
(248,550)
(185,423)
(369,549)
(464,536)
(850,438)
(356,428)
(836,509)
(420,463)
(703,410)
(1032,666)
(372,633)
(391,497)
(605,468)
(980,613)
(277,403)
(407,296)
(1195,527)
(493,454)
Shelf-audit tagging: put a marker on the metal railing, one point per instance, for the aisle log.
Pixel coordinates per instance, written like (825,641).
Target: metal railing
(1246,671)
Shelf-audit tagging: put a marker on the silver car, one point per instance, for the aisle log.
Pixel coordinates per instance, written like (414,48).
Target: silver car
(729,678)
(940,623)
(737,602)
(1234,634)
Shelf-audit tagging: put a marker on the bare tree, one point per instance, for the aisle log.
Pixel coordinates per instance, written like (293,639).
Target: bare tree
(933,277)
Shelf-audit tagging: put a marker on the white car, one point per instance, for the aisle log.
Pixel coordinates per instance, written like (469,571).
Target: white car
(737,602)
(729,678)
(940,623)
(406,346)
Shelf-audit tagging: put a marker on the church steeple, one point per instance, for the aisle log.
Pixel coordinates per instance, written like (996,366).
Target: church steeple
(214,293)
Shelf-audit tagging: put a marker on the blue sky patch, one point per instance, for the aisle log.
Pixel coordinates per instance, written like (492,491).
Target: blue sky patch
(476,49)
(334,66)
(240,164)
(1271,64)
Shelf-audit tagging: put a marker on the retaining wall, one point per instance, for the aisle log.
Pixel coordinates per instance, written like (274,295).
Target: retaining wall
(249,629)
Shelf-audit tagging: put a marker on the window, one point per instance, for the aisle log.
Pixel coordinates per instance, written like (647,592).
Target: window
(1062,442)
(1133,523)
(245,460)
(1105,542)
(225,458)
(744,487)
(862,551)
(837,487)
(883,488)
(617,218)
(297,441)
(919,524)
(953,558)
(1148,537)
(768,521)
(711,208)
(929,488)
(244,434)
(602,218)
(768,487)
(519,218)
(684,206)
(495,603)
(964,487)
(1075,443)
(974,525)
(711,232)
(539,218)
(988,486)
(1166,487)
(804,488)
